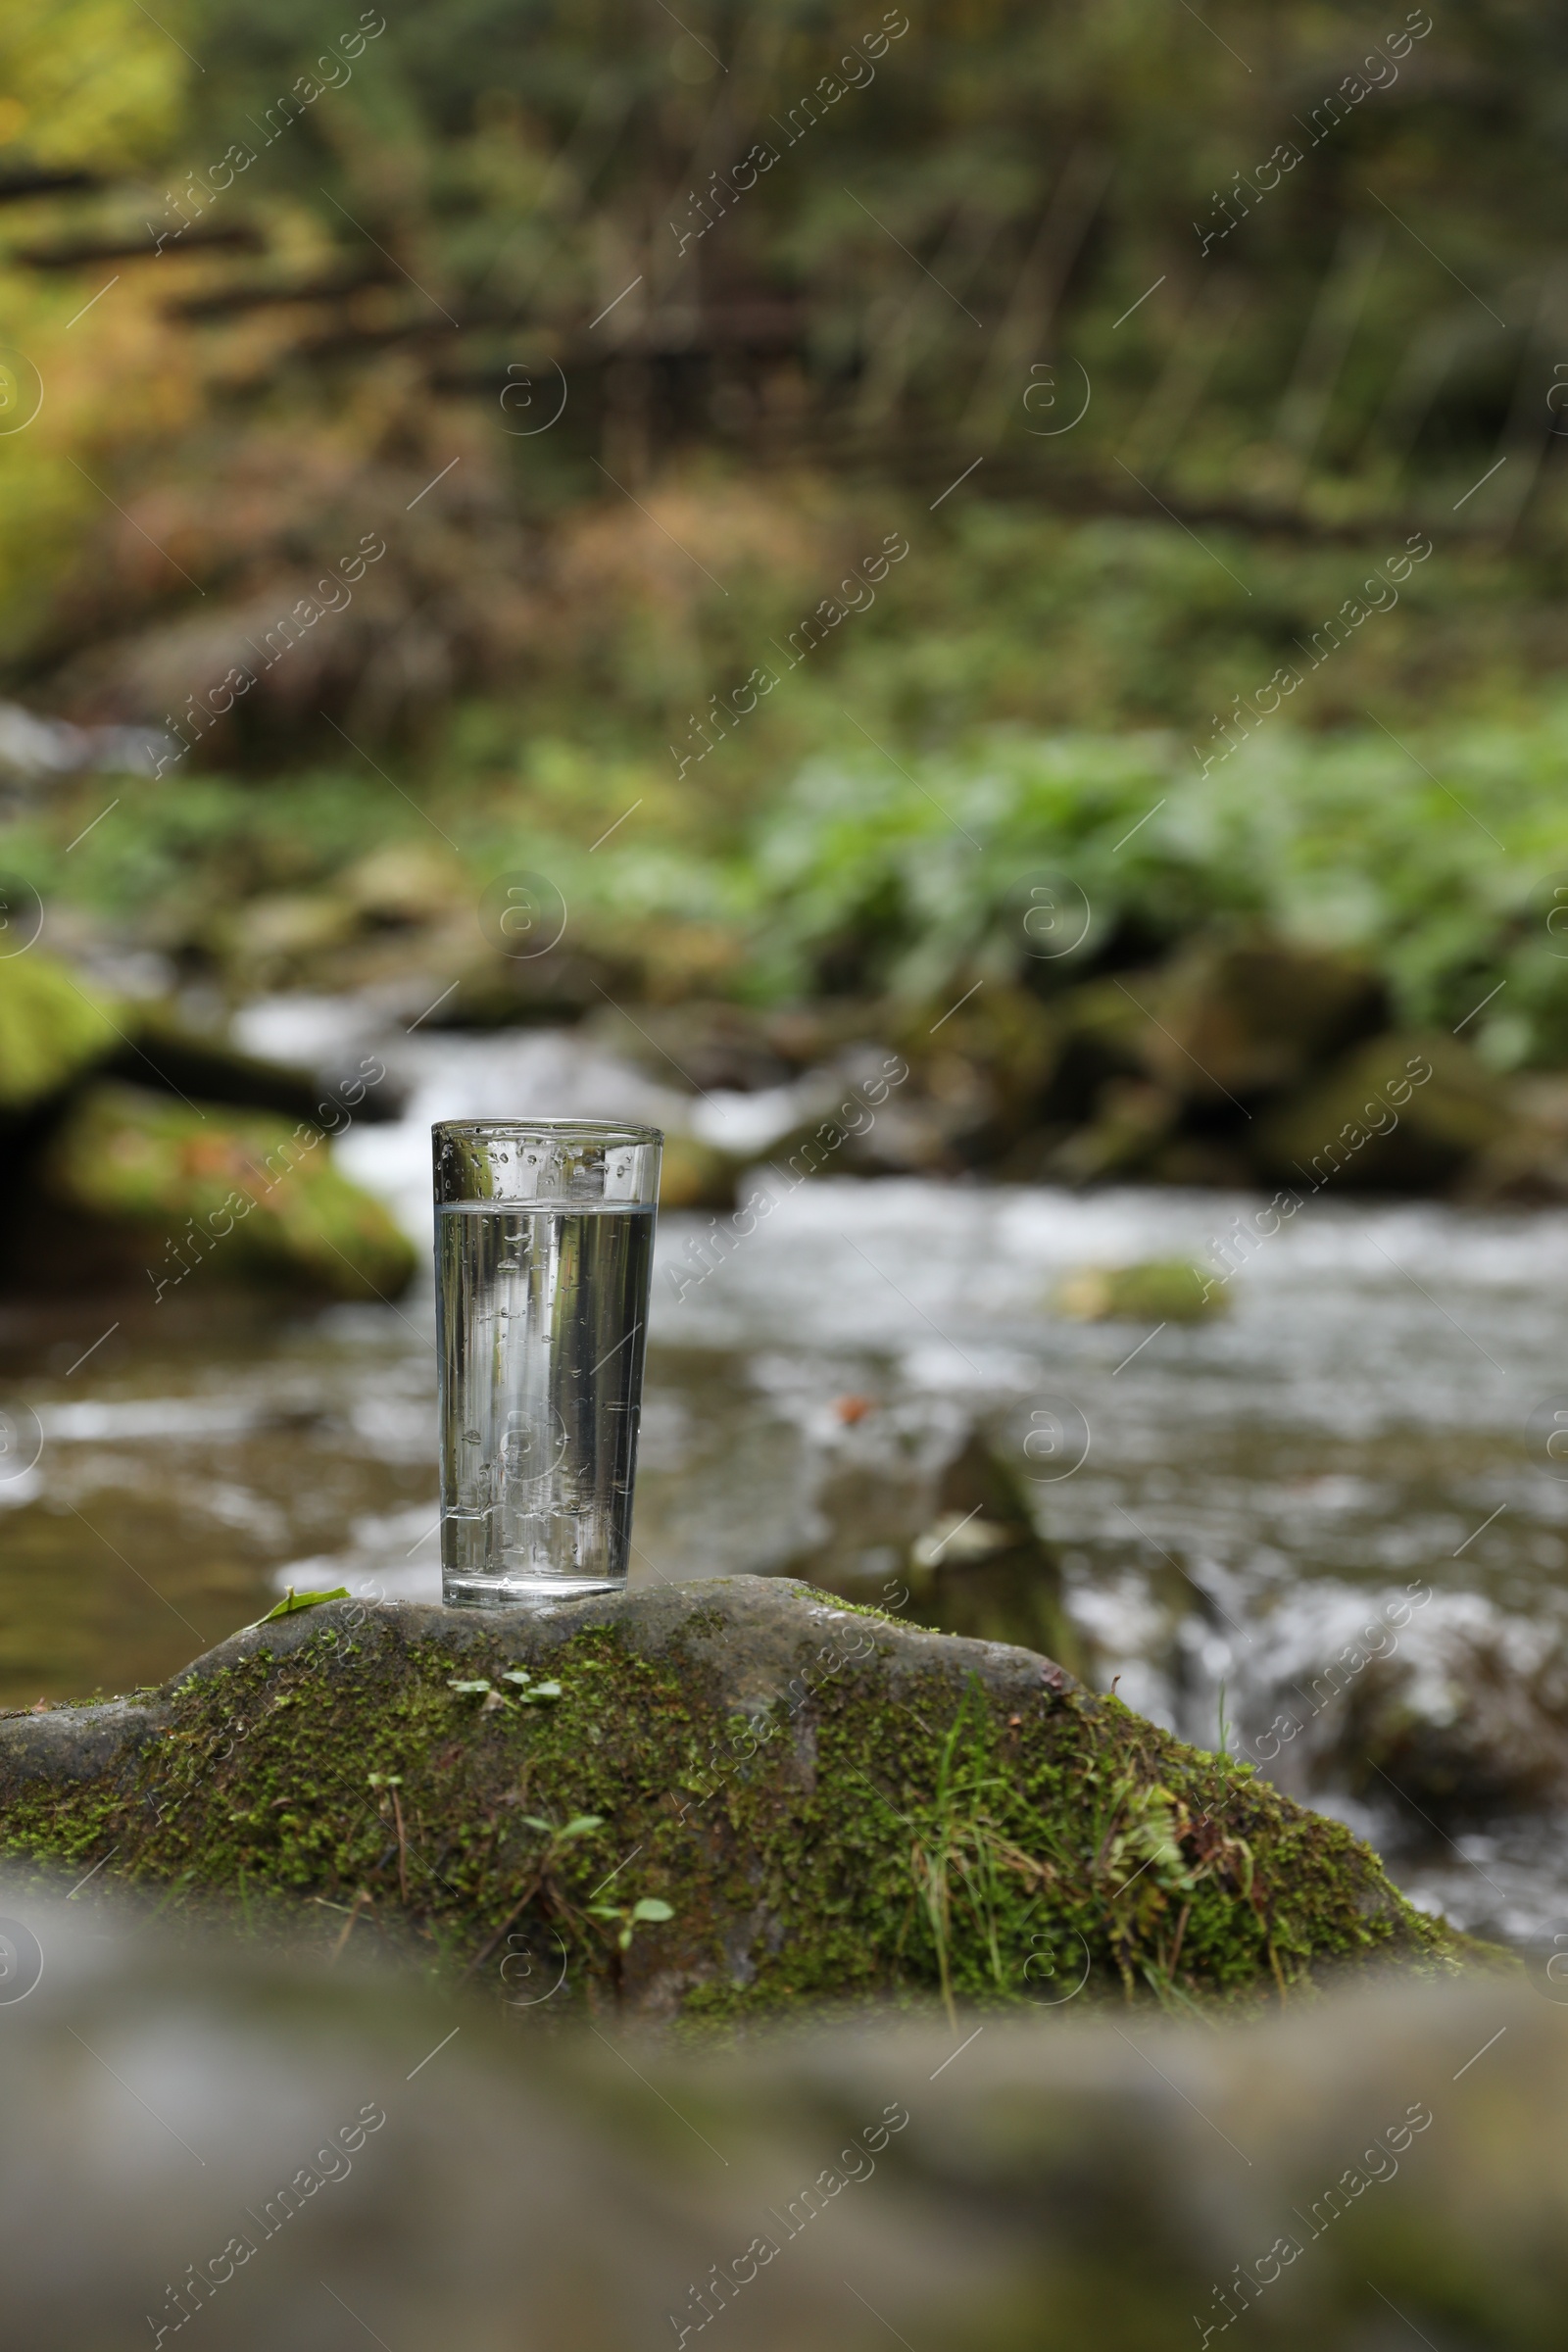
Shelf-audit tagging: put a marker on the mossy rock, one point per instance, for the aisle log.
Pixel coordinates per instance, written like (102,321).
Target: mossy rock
(1402,1113)
(722,1798)
(1157,1291)
(1254,1015)
(209,1194)
(982,1565)
(1001,1029)
(52,1027)
(704,1045)
(695,1175)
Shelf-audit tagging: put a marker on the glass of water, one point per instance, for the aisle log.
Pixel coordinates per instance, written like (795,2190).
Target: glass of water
(544,1253)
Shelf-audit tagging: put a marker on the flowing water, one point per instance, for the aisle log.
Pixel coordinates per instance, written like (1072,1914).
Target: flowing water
(1232,1502)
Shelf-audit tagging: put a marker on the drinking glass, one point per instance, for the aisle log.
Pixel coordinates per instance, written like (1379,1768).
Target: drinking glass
(544,1253)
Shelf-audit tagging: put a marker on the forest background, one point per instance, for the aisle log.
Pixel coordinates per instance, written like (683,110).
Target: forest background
(1125,440)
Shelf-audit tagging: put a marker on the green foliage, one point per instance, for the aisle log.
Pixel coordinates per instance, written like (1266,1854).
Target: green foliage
(1434,856)
(1435,861)
(293,1601)
(92,83)
(1279,390)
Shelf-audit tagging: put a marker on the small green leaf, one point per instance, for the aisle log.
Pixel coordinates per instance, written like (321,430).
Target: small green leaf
(516,1673)
(292,1601)
(468,1689)
(385,1780)
(533,1822)
(624,1938)
(581,1823)
(541,1691)
(650,1907)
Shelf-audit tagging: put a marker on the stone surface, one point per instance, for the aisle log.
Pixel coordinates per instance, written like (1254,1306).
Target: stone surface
(316,2159)
(723,1798)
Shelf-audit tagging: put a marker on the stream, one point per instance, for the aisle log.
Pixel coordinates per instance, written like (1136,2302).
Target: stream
(1232,1502)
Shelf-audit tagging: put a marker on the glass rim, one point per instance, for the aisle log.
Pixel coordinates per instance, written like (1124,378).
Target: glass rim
(589,1131)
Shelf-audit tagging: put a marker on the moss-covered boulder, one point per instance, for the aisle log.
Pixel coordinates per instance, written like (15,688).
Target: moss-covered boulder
(1400,1114)
(1254,1015)
(133,1150)
(695,1175)
(53,1026)
(174,1192)
(719,1797)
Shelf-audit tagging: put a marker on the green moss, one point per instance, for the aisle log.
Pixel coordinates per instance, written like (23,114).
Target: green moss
(51,1026)
(938,1844)
(257,1198)
(1160,1291)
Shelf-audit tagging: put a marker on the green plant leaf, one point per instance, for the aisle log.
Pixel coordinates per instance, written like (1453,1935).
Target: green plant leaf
(650,1907)
(581,1823)
(293,1601)
(516,1673)
(541,1691)
(468,1689)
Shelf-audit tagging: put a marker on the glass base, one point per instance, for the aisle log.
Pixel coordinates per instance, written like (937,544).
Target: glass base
(464,1591)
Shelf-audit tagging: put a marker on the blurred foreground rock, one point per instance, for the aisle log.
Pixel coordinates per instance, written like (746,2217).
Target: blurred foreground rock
(311,2159)
(723,1798)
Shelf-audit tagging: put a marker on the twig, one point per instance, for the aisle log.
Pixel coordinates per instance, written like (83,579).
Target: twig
(515,1914)
(359,1901)
(403,1851)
